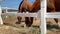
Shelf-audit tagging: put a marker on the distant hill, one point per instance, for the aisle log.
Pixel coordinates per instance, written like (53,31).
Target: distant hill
(9,10)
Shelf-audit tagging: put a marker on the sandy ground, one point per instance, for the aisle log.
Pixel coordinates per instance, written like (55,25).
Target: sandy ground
(52,28)
(10,27)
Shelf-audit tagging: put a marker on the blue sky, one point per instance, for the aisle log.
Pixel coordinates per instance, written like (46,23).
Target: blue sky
(13,3)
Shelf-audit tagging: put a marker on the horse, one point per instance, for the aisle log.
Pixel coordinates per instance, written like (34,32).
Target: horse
(24,7)
(27,6)
(50,6)
(37,4)
(33,10)
(54,6)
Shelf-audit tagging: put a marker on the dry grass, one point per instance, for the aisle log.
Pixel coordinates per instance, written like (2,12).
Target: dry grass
(11,28)
(52,28)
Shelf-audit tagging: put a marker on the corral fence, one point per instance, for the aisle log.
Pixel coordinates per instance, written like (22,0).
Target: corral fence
(41,14)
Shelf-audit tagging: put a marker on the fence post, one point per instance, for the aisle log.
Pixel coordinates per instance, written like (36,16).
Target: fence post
(1,21)
(6,11)
(43,19)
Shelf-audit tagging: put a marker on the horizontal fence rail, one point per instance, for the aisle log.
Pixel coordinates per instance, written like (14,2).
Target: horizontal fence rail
(53,15)
(9,8)
(38,14)
(21,14)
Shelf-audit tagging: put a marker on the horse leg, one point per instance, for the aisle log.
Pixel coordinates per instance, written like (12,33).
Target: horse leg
(28,21)
(57,21)
(19,20)
(31,21)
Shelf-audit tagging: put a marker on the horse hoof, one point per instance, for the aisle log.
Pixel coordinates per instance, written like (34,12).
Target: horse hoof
(17,22)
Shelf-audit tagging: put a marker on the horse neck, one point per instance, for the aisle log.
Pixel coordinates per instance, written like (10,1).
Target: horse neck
(36,5)
(37,0)
(24,0)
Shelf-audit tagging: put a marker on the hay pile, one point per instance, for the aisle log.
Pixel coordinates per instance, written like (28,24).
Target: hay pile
(8,30)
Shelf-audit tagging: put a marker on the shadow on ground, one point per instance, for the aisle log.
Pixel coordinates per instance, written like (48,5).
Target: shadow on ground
(50,26)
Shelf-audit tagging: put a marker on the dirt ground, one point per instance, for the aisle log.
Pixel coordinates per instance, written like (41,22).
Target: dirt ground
(52,27)
(10,26)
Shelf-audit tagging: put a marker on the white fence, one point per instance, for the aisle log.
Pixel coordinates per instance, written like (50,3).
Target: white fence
(1,21)
(53,15)
(41,14)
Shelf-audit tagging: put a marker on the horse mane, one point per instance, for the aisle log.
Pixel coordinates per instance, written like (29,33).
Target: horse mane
(20,4)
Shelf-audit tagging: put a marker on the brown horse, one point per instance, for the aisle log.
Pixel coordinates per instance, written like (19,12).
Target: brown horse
(36,6)
(57,6)
(50,6)
(27,6)
(23,7)
(32,10)
(54,6)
